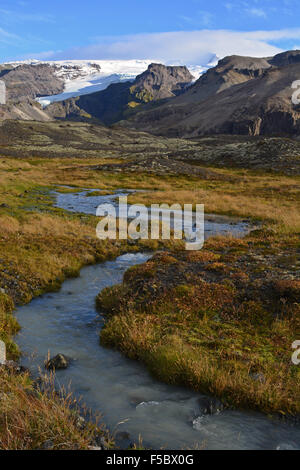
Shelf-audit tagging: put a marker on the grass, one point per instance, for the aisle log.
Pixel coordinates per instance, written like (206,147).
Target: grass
(8,325)
(41,245)
(259,197)
(31,418)
(214,326)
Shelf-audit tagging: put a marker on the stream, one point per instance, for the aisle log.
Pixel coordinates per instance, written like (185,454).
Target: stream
(131,402)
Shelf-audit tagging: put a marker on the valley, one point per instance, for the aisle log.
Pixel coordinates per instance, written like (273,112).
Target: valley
(164,347)
(245,291)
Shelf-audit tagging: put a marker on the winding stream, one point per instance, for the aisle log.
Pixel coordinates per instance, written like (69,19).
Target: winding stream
(121,389)
(214,224)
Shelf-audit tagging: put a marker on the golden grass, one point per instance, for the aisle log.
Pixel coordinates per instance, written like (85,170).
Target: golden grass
(215,335)
(285,214)
(30,418)
(171,358)
(242,193)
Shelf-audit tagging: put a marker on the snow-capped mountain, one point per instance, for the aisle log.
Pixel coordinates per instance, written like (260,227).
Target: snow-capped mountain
(83,77)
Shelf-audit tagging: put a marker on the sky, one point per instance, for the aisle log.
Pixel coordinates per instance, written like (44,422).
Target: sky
(173,31)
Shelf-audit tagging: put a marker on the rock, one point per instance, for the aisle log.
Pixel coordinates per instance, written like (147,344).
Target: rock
(14,367)
(258,377)
(48,445)
(94,448)
(104,444)
(58,362)
(100,442)
(210,406)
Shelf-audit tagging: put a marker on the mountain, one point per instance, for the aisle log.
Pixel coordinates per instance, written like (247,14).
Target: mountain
(241,95)
(24,83)
(28,82)
(32,85)
(115,102)
(81,77)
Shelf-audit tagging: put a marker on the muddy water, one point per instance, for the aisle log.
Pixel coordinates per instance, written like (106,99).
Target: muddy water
(122,390)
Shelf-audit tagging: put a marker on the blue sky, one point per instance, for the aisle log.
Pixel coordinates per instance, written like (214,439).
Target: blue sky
(175,30)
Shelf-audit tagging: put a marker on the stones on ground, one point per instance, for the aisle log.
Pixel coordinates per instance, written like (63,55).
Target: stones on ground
(48,445)
(60,361)
(15,367)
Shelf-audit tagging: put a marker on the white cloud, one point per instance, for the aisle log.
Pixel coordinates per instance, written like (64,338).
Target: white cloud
(259,12)
(190,47)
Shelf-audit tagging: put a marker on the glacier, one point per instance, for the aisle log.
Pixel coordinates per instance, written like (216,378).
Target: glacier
(83,77)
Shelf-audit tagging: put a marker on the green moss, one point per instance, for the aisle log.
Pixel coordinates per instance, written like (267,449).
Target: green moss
(133,104)
(144,96)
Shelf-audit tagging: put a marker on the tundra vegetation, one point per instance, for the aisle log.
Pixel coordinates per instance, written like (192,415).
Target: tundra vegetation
(221,320)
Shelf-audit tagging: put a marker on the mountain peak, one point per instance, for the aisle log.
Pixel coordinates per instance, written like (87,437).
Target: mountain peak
(286,58)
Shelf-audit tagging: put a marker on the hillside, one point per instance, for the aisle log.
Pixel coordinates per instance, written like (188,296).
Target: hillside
(115,102)
(241,95)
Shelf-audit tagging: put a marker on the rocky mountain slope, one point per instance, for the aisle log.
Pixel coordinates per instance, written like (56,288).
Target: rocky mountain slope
(32,85)
(28,82)
(241,95)
(24,83)
(113,104)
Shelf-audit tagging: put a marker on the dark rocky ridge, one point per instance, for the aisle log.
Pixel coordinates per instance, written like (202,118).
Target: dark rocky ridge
(115,102)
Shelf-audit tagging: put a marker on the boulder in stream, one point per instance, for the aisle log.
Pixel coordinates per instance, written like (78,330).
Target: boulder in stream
(210,406)
(60,361)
